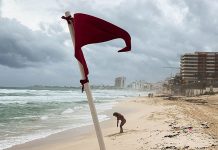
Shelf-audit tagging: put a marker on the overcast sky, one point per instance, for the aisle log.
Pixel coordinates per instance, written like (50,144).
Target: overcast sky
(36,49)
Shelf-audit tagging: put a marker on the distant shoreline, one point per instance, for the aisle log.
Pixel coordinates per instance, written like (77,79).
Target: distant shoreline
(42,87)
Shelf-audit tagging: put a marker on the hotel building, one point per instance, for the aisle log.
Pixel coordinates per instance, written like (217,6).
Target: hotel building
(199,67)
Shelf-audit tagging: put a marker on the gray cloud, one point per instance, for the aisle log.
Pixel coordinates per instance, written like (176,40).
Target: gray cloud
(22,47)
(0,7)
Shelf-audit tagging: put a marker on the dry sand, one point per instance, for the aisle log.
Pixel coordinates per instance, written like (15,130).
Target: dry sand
(152,123)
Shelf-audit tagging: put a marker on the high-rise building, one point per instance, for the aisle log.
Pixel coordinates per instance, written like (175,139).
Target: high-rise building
(120,82)
(199,67)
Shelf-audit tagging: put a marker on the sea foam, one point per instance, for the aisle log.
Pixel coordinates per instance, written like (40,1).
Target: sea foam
(68,111)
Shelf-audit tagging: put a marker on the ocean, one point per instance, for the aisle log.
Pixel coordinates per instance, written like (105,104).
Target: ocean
(27,114)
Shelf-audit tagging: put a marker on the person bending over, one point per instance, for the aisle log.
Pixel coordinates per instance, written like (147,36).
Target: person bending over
(121,118)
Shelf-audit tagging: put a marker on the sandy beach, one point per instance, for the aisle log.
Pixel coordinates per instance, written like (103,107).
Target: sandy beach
(152,123)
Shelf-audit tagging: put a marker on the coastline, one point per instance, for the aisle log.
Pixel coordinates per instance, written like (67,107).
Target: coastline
(47,112)
(73,134)
(152,123)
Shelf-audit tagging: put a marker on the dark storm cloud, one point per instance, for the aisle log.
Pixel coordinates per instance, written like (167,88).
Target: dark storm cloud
(22,47)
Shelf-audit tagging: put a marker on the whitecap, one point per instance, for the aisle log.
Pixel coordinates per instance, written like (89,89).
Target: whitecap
(77,107)
(68,111)
(44,117)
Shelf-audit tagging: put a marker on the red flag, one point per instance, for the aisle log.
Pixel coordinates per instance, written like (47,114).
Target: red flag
(89,29)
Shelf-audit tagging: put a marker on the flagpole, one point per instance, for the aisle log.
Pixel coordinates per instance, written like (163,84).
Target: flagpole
(88,94)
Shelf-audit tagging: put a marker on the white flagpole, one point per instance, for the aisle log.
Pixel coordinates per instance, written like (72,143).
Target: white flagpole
(89,96)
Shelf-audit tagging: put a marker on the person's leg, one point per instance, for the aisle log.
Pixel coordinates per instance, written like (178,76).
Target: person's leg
(121,126)
(121,129)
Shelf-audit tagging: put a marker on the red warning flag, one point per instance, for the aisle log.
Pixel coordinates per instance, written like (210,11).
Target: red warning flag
(89,29)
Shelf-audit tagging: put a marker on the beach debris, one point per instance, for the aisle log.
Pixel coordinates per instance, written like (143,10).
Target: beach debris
(163,95)
(204,125)
(140,140)
(175,148)
(172,123)
(172,135)
(171,97)
(185,129)
(196,101)
(170,147)
(176,128)
(185,147)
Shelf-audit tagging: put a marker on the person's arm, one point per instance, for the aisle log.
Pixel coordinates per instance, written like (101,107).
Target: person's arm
(117,122)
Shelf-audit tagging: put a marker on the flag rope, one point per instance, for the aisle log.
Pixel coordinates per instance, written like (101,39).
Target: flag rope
(68,19)
(83,82)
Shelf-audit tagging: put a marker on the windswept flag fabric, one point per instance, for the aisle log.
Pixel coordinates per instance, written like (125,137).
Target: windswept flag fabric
(88,30)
